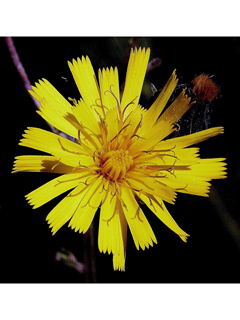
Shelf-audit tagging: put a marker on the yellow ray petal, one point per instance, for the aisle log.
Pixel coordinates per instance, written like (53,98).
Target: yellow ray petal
(65,209)
(70,153)
(210,168)
(147,184)
(136,71)
(132,124)
(40,164)
(88,204)
(176,109)
(113,231)
(185,141)
(158,208)
(119,259)
(169,158)
(63,122)
(151,137)
(194,179)
(112,123)
(165,124)
(55,187)
(157,107)
(110,233)
(141,231)
(109,87)
(45,89)
(86,82)
(87,119)
(183,180)
(55,109)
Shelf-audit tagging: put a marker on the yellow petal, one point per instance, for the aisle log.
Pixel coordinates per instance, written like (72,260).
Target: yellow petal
(165,124)
(55,187)
(55,109)
(185,141)
(88,203)
(109,226)
(65,209)
(185,181)
(147,184)
(119,258)
(70,153)
(86,82)
(210,168)
(63,122)
(109,88)
(136,71)
(110,238)
(141,231)
(40,164)
(194,179)
(46,89)
(157,107)
(151,137)
(112,123)
(176,109)
(169,158)
(158,208)
(88,125)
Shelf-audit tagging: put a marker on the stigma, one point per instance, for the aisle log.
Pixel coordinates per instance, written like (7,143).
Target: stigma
(115,164)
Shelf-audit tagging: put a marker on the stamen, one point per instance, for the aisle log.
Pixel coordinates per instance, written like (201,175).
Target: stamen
(129,124)
(137,127)
(150,198)
(73,152)
(136,135)
(120,114)
(130,140)
(137,214)
(55,165)
(84,182)
(184,188)
(101,106)
(132,102)
(171,170)
(159,151)
(110,91)
(178,127)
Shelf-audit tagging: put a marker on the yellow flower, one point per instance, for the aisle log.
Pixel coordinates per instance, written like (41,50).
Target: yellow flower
(119,155)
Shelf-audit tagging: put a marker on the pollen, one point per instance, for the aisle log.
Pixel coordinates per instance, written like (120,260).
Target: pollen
(115,164)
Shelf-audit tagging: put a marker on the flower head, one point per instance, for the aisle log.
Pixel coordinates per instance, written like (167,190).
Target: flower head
(204,88)
(120,154)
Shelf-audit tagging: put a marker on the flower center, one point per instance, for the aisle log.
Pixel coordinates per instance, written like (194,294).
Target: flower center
(115,164)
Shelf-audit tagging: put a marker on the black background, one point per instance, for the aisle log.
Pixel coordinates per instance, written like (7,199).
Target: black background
(212,253)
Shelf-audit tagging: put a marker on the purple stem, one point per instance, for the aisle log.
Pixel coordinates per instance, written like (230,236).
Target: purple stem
(20,68)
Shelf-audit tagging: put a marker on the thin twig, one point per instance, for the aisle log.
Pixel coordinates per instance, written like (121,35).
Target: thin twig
(21,71)
(20,68)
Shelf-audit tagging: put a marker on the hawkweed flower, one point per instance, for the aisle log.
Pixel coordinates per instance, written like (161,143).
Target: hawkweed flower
(120,155)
